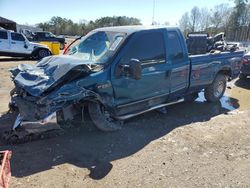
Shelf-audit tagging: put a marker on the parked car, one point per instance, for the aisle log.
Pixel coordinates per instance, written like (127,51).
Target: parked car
(245,69)
(50,37)
(120,72)
(17,45)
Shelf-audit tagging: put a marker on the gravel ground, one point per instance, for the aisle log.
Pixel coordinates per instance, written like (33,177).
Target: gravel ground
(194,145)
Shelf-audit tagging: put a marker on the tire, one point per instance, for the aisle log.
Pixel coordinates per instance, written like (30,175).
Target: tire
(242,76)
(62,45)
(216,90)
(42,53)
(102,118)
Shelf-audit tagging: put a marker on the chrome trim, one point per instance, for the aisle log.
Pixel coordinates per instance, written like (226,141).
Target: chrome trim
(150,109)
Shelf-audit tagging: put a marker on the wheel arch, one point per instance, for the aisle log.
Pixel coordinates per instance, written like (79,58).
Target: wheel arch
(227,71)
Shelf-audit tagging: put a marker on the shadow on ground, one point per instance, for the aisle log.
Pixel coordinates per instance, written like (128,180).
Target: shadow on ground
(243,83)
(89,148)
(6,59)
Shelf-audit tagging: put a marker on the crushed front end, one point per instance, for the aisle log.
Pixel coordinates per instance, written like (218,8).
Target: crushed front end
(43,90)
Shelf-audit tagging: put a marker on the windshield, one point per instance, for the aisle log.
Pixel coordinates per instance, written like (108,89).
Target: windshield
(97,47)
(51,34)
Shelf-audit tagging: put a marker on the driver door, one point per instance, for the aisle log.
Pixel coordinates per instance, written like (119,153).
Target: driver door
(149,48)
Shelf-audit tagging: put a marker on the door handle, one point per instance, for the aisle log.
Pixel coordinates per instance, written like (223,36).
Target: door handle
(13,43)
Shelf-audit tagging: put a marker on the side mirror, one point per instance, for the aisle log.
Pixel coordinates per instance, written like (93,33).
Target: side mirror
(135,69)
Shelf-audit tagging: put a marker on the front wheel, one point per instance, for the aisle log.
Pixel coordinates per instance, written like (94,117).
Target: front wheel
(102,118)
(217,89)
(42,53)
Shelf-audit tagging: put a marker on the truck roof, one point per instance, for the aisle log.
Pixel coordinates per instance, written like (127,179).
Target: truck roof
(133,29)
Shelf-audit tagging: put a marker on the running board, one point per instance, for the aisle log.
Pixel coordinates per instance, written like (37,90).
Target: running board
(124,117)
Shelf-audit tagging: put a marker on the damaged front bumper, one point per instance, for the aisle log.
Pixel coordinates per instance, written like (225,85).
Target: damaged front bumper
(45,124)
(36,112)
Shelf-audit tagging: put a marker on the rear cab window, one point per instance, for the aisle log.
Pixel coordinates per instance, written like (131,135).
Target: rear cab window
(17,37)
(175,50)
(3,35)
(148,47)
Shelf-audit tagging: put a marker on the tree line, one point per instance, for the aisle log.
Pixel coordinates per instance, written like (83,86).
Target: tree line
(234,21)
(63,26)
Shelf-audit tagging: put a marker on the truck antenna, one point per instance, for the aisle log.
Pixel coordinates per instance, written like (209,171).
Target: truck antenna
(153,17)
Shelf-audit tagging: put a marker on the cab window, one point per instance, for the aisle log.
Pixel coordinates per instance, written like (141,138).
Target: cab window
(147,47)
(3,35)
(17,37)
(175,51)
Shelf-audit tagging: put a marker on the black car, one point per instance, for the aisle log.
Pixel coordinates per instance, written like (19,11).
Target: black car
(48,36)
(245,69)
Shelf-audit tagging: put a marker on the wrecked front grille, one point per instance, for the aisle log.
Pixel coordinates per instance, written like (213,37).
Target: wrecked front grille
(30,110)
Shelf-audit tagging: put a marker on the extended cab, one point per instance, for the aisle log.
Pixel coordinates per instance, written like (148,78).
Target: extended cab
(120,72)
(17,45)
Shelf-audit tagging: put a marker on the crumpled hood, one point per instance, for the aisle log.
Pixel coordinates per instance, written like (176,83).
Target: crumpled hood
(50,71)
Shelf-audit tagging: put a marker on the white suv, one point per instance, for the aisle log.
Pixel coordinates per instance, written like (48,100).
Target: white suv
(17,45)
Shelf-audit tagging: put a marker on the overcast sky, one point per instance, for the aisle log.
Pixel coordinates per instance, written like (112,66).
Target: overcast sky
(32,12)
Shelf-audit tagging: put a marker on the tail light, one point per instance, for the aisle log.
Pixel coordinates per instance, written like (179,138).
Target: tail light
(245,61)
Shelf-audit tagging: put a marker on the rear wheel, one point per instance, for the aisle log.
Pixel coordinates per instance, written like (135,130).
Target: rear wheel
(217,89)
(42,53)
(102,118)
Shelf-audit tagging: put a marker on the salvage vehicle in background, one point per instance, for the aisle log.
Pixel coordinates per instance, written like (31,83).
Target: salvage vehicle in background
(245,69)
(45,36)
(201,43)
(17,45)
(118,73)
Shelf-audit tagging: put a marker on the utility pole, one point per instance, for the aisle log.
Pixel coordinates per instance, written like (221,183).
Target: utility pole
(153,17)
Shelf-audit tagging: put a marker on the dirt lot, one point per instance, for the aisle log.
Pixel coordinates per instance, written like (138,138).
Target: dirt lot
(193,145)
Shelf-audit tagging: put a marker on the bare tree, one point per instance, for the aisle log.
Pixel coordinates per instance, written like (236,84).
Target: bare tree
(194,18)
(184,23)
(220,16)
(235,21)
(205,19)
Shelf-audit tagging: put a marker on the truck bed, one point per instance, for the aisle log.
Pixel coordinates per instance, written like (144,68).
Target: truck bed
(204,67)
